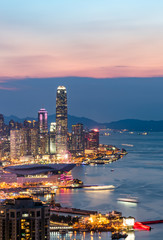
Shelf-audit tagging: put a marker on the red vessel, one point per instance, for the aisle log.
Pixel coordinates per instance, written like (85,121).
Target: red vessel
(140,226)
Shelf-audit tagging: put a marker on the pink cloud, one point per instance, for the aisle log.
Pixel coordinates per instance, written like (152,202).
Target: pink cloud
(8,88)
(82,65)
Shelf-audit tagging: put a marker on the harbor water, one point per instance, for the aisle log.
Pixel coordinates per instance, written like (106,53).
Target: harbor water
(138,174)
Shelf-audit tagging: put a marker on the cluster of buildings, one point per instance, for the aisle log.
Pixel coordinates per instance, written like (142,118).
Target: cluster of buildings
(32,140)
(113,221)
(23,146)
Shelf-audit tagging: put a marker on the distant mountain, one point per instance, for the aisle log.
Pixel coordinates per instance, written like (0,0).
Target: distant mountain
(137,125)
(129,124)
(88,123)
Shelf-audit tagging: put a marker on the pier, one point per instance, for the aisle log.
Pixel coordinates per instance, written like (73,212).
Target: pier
(72,211)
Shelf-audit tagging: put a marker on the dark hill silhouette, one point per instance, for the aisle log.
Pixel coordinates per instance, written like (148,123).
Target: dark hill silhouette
(129,124)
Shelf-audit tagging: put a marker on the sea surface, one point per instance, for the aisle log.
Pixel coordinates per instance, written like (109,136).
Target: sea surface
(138,174)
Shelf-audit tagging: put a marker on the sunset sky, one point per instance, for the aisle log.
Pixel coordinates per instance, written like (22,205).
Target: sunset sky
(106,38)
(110,50)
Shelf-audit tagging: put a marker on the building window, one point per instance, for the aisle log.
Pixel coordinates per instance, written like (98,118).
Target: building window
(38,213)
(12,214)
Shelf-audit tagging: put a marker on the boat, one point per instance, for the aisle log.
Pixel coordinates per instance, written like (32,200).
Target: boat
(103,187)
(143,133)
(128,199)
(141,226)
(118,235)
(63,231)
(128,145)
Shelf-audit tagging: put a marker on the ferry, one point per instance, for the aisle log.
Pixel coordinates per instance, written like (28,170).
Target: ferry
(128,199)
(103,187)
(126,144)
(143,133)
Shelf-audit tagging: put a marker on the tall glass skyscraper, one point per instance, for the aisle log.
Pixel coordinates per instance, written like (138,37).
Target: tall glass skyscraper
(77,138)
(43,131)
(43,121)
(61,121)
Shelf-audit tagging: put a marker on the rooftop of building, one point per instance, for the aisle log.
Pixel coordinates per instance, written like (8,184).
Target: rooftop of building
(34,169)
(61,88)
(42,110)
(22,202)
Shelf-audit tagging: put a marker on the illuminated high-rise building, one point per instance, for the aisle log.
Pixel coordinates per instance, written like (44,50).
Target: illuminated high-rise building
(34,141)
(19,143)
(43,144)
(43,121)
(23,142)
(77,138)
(92,139)
(61,120)
(15,144)
(23,218)
(43,131)
(52,135)
(53,127)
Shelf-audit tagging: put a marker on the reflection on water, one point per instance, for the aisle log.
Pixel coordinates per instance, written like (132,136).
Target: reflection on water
(131,236)
(81,236)
(87,236)
(138,174)
(131,204)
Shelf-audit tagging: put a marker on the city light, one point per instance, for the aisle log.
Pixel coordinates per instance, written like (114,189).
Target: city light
(37,162)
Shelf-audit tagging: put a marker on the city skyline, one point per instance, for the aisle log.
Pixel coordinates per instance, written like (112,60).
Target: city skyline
(106,99)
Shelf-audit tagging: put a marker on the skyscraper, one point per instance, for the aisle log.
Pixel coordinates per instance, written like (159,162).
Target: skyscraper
(23,142)
(92,139)
(61,120)
(77,138)
(15,144)
(34,141)
(43,121)
(52,135)
(43,131)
